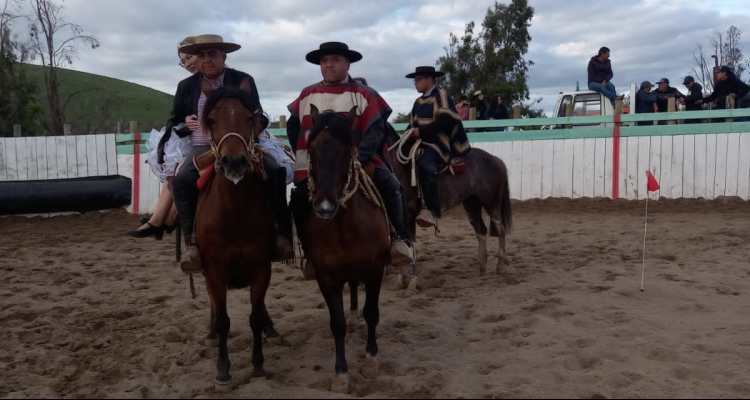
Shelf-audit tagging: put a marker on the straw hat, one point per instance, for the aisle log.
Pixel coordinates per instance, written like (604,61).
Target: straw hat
(203,42)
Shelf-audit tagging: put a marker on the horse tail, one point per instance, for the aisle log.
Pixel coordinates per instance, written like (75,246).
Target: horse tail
(506,215)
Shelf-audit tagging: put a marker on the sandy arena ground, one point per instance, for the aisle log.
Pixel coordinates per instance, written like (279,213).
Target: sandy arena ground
(87,311)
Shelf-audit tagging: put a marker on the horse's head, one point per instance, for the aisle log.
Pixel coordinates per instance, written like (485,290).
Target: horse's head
(332,152)
(233,120)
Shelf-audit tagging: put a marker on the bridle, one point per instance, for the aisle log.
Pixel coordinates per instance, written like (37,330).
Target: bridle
(253,152)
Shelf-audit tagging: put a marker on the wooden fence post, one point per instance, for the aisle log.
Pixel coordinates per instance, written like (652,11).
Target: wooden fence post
(133,126)
(569,113)
(66,129)
(730,103)
(516,112)
(282,121)
(670,108)
(472,117)
(119,127)
(618,106)
(16,130)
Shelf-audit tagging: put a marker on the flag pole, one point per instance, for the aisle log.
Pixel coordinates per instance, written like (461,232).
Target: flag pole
(645,227)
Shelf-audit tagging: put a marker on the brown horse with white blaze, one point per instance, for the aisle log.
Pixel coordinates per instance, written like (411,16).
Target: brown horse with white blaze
(234,221)
(348,239)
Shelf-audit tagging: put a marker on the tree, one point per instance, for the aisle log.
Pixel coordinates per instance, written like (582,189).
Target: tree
(493,61)
(46,26)
(728,51)
(19,104)
(402,118)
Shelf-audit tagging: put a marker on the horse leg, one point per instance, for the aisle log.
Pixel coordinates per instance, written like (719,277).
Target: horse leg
(269,330)
(259,316)
(473,208)
(352,320)
(502,258)
(212,340)
(371,312)
(218,291)
(332,293)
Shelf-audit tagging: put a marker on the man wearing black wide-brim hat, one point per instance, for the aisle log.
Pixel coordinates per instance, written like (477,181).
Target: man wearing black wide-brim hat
(339,92)
(189,101)
(435,120)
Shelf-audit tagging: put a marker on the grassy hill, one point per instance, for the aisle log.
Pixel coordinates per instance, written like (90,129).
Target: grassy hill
(102,102)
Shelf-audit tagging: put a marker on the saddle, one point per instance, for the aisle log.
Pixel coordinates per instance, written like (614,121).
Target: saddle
(456,166)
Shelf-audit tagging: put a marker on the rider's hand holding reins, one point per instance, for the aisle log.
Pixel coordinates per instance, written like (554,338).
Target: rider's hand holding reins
(415,133)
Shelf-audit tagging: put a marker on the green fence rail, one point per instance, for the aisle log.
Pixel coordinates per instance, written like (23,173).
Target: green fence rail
(595,127)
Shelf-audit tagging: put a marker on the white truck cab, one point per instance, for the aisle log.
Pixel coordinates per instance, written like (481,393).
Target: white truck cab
(585,103)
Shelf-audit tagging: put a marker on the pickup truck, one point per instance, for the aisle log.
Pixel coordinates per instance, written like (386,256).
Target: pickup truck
(585,103)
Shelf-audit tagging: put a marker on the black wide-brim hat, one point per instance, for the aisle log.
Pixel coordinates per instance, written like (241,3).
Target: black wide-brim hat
(426,71)
(331,48)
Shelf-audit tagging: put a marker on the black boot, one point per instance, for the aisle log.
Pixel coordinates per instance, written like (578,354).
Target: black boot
(276,187)
(186,201)
(300,206)
(431,193)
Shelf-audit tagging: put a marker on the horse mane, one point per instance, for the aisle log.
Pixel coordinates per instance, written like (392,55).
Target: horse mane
(228,93)
(337,125)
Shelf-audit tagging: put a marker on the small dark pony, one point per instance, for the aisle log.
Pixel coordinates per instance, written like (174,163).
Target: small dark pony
(234,221)
(348,238)
(484,185)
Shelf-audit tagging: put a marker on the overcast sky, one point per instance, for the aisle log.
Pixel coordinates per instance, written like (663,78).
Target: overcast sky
(649,39)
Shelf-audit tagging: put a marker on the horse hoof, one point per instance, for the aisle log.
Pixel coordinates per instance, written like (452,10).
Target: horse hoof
(413,287)
(370,367)
(275,340)
(259,373)
(211,342)
(223,386)
(340,384)
(398,282)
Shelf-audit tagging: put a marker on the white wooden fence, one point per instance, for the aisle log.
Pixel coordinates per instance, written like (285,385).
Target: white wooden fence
(686,166)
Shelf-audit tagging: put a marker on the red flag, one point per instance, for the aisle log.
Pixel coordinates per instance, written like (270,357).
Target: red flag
(653,185)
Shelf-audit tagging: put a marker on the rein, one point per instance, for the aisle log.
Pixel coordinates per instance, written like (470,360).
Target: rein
(254,153)
(361,182)
(411,157)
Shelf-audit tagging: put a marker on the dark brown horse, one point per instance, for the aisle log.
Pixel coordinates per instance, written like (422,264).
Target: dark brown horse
(348,238)
(484,185)
(234,221)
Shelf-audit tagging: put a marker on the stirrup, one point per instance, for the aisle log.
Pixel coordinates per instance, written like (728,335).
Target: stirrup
(192,264)
(425,218)
(402,255)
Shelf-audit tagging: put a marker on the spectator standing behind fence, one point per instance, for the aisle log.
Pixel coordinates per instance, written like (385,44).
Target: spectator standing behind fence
(498,111)
(644,101)
(695,93)
(481,105)
(663,93)
(600,75)
(727,84)
(462,107)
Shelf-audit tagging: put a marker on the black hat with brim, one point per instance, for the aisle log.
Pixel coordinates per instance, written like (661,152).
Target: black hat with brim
(333,48)
(425,71)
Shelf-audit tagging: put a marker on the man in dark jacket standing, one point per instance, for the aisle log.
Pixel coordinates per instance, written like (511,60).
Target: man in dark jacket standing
(727,84)
(663,92)
(600,75)
(644,102)
(695,93)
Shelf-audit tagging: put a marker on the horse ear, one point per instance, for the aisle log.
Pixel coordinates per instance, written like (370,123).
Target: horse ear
(352,115)
(314,113)
(206,88)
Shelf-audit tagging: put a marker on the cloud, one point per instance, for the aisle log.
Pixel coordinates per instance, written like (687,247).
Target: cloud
(648,39)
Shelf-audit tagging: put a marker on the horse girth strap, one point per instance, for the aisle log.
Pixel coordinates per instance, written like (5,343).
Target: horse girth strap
(254,153)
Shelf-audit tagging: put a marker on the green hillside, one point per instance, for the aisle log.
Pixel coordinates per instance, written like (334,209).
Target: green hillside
(101,102)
